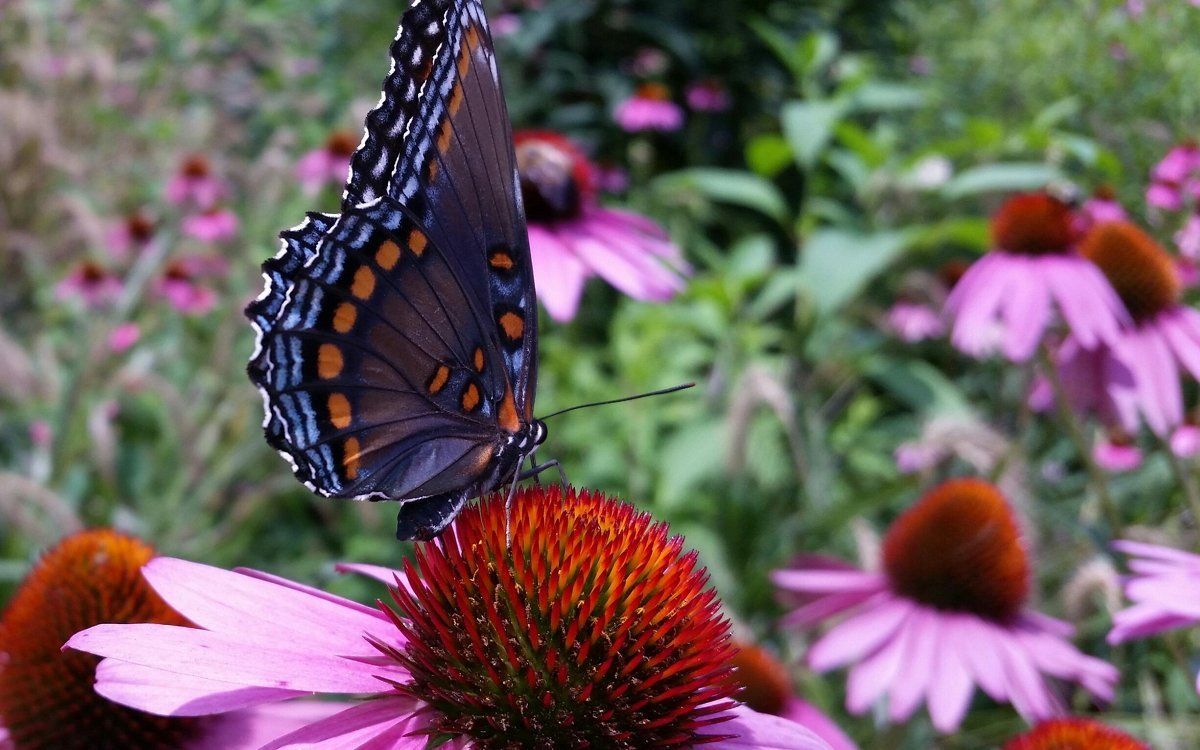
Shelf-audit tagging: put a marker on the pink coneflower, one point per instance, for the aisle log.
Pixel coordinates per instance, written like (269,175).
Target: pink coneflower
(123,336)
(327,165)
(131,234)
(89,283)
(1009,293)
(1175,181)
(650,108)
(1164,588)
(1102,207)
(1117,453)
(1185,441)
(913,322)
(764,686)
(948,612)
(195,184)
(1140,367)
(572,237)
(1074,734)
(708,96)
(1187,239)
(181,286)
(214,225)
(574,622)
(46,696)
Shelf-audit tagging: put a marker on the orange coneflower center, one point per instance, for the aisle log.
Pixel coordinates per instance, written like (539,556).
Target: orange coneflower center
(764,683)
(1074,734)
(592,628)
(1033,224)
(556,177)
(959,548)
(1140,271)
(46,696)
(341,143)
(654,91)
(92,273)
(140,227)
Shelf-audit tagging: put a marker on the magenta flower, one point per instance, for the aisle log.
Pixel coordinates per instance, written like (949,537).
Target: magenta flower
(214,225)
(1117,454)
(181,284)
(1009,294)
(1164,588)
(90,284)
(1102,207)
(572,237)
(131,234)
(122,337)
(195,184)
(46,694)
(1187,239)
(1185,441)
(947,613)
(1140,368)
(1175,181)
(913,322)
(650,108)
(475,647)
(328,165)
(708,96)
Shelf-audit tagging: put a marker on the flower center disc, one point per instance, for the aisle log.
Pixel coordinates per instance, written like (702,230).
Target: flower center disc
(46,695)
(1140,271)
(1033,224)
(592,629)
(556,178)
(959,548)
(765,686)
(1074,734)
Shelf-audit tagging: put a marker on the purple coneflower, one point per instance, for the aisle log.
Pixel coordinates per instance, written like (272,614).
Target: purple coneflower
(216,224)
(1074,734)
(574,622)
(123,336)
(708,96)
(1102,207)
(195,184)
(1010,292)
(947,613)
(1117,453)
(131,234)
(1187,239)
(1164,588)
(180,284)
(572,237)
(89,283)
(650,108)
(913,322)
(1175,181)
(46,696)
(328,165)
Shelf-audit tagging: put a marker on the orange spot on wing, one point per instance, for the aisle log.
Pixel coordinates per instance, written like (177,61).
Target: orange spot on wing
(470,397)
(344,317)
(501,260)
(438,381)
(329,361)
(445,134)
(388,255)
(479,360)
(417,242)
(456,98)
(508,412)
(364,283)
(351,457)
(513,325)
(339,411)
(431,171)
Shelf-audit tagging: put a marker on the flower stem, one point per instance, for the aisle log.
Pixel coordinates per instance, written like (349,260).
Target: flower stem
(1096,476)
(1186,481)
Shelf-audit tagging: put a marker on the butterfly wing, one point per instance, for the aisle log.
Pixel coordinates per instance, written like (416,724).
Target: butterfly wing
(380,379)
(440,143)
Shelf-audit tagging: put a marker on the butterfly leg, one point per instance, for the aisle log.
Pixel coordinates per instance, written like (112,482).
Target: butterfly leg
(534,471)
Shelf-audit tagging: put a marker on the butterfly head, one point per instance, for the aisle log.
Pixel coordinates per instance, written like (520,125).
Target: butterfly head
(534,436)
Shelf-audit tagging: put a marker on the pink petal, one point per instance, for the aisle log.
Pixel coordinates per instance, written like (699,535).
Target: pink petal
(1026,313)
(951,687)
(1182,330)
(386,576)
(253,609)
(859,635)
(822,608)
(813,719)
(557,273)
(827,581)
(876,674)
(164,692)
(254,728)
(924,633)
(234,659)
(762,732)
(391,717)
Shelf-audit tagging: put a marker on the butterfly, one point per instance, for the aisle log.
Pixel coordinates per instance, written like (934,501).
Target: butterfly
(396,347)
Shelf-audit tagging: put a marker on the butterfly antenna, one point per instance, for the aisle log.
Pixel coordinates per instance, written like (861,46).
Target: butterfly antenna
(662,392)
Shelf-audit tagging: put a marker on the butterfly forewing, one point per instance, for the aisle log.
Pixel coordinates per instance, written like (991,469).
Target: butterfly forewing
(397,348)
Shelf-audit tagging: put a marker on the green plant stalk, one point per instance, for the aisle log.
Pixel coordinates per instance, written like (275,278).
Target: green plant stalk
(1096,477)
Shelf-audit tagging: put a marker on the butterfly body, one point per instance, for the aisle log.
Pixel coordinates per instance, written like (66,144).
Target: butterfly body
(397,341)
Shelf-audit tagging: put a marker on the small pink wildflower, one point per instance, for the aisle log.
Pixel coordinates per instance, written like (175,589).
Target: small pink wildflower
(195,184)
(214,225)
(328,165)
(650,108)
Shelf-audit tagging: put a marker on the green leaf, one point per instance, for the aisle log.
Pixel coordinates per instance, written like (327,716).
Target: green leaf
(768,154)
(808,127)
(918,384)
(1000,178)
(729,186)
(881,96)
(836,264)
